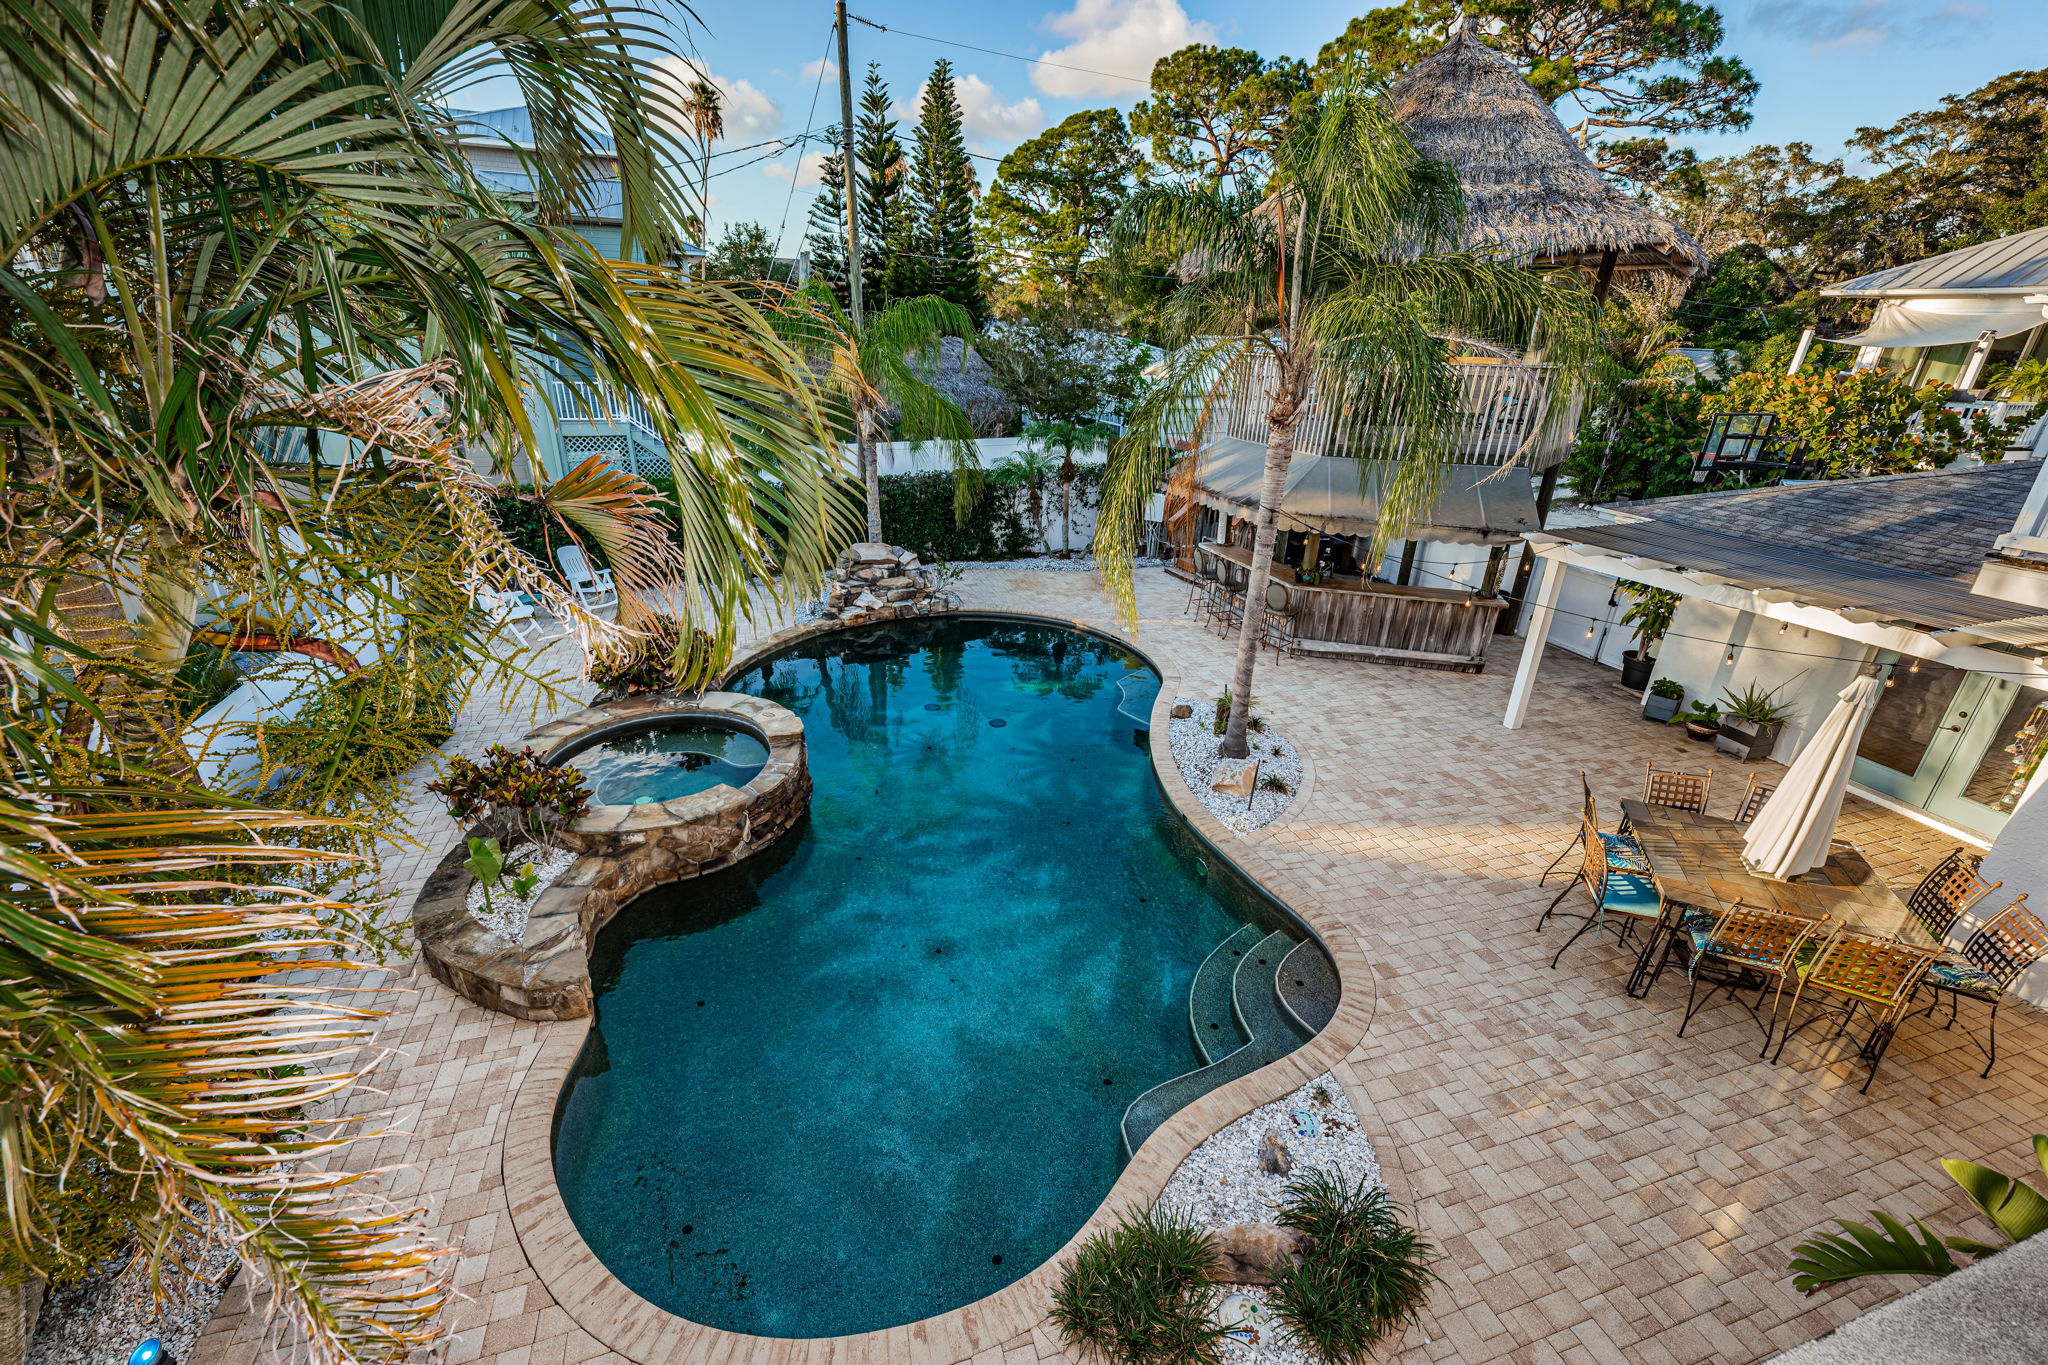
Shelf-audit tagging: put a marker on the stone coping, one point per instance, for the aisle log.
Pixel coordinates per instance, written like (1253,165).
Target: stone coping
(641,1332)
(623,851)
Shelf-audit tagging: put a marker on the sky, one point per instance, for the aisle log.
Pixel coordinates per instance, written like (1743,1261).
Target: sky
(1827,68)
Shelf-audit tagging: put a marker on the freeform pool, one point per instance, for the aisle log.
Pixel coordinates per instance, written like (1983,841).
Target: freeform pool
(666,759)
(877,1071)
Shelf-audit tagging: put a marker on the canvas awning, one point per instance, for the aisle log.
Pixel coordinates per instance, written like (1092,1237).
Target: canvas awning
(1477,504)
(1944,322)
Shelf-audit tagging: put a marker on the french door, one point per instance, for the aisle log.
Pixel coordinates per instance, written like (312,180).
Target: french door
(1943,740)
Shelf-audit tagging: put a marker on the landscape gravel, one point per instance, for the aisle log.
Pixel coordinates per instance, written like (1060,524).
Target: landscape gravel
(104,1317)
(1220,1183)
(505,914)
(1194,741)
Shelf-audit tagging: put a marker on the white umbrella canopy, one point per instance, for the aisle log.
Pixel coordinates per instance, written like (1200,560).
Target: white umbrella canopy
(1791,834)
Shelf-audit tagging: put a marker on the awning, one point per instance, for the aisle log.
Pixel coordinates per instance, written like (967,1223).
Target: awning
(1477,504)
(1944,322)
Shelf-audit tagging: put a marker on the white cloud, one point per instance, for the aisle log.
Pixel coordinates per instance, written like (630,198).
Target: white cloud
(750,115)
(1853,25)
(809,169)
(1121,38)
(983,114)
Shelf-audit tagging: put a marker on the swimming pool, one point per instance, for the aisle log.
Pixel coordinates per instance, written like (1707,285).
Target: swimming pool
(878,1071)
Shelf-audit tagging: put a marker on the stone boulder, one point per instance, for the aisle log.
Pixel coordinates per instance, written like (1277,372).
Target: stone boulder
(1254,1253)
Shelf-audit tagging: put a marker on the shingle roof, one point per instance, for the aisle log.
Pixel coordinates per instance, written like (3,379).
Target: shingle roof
(1940,523)
(1806,572)
(2013,265)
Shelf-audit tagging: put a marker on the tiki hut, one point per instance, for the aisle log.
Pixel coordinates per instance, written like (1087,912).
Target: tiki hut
(1529,189)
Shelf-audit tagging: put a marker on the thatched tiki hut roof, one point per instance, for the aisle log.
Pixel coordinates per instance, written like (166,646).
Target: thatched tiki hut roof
(1529,189)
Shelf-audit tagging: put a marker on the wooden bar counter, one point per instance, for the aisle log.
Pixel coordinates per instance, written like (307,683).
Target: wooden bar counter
(1378,622)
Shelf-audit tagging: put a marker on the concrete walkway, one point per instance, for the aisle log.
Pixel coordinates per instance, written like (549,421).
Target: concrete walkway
(1602,1190)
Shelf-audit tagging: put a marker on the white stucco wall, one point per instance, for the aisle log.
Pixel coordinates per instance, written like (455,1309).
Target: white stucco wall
(1808,668)
(2019,858)
(1587,599)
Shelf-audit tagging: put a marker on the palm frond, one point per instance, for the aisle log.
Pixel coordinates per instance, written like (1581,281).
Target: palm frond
(1858,1250)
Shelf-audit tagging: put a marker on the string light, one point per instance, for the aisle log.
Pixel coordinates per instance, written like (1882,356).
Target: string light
(1729,657)
(1589,631)
(1784,626)
(1914,667)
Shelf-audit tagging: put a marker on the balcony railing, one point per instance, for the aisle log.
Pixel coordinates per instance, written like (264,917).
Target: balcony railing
(1504,415)
(595,403)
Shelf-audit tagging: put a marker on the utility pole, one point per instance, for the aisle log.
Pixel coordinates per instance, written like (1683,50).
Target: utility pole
(846,155)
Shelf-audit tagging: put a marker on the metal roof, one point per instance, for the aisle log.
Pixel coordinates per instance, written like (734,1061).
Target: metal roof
(1474,505)
(1810,576)
(2011,265)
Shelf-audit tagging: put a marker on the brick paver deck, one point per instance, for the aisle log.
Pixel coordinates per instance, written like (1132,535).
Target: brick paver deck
(1603,1191)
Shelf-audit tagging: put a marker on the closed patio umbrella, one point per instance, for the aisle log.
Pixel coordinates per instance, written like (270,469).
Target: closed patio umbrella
(1791,834)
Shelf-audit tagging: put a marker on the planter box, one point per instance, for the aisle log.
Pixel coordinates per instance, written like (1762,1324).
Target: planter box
(1636,668)
(1661,708)
(1745,740)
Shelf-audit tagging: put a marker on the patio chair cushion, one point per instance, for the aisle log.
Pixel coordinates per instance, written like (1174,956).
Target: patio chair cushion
(1624,854)
(1627,895)
(1952,973)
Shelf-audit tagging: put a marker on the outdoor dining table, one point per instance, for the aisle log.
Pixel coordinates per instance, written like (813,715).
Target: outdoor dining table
(1696,861)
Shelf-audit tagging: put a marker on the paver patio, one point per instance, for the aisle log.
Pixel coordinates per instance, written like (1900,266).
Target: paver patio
(1603,1191)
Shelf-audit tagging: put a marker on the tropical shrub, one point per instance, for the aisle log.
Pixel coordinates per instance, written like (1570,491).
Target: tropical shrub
(94,1210)
(1364,1275)
(918,513)
(2015,1208)
(1139,1294)
(1650,611)
(522,788)
(1639,440)
(663,652)
(1867,421)
(1668,688)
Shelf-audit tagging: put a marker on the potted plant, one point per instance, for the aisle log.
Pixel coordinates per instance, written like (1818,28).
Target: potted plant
(1750,723)
(1649,611)
(1662,703)
(1702,721)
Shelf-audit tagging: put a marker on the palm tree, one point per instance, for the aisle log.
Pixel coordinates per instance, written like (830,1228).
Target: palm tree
(706,111)
(229,226)
(872,368)
(1346,279)
(1030,468)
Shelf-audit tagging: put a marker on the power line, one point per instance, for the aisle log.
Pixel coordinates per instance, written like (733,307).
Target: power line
(796,171)
(1012,56)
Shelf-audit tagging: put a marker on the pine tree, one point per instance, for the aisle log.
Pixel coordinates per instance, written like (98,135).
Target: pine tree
(825,242)
(942,193)
(878,186)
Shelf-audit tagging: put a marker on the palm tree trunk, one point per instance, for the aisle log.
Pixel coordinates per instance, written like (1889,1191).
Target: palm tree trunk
(1067,473)
(871,474)
(1279,454)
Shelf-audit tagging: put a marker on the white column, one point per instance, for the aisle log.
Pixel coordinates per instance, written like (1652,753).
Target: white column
(1543,606)
(1974,367)
(1799,351)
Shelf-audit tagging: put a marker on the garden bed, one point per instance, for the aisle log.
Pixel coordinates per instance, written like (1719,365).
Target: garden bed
(1194,741)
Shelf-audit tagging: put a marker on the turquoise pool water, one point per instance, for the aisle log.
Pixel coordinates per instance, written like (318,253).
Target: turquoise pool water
(663,762)
(876,1072)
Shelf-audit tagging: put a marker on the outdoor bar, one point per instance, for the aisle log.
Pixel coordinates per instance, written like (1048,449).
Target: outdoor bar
(1330,605)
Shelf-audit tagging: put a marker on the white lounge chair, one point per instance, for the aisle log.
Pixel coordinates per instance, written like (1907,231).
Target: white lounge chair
(512,610)
(593,587)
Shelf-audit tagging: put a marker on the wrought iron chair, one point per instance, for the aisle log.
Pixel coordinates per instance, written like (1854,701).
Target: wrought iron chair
(1676,788)
(1630,896)
(1861,971)
(1947,892)
(1993,958)
(1623,853)
(1753,797)
(1200,583)
(1277,620)
(1742,946)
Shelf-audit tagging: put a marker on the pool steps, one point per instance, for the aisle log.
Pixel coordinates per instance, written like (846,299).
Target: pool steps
(1308,987)
(1267,1028)
(1138,709)
(1212,1019)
